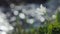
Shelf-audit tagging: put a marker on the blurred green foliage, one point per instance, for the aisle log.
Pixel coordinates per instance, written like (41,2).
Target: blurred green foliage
(54,28)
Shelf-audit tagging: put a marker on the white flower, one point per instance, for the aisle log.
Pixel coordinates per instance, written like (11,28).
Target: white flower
(41,10)
(3,28)
(42,19)
(1,19)
(30,21)
(12,6)
(15,12)
(10,27)
(22,15)
(4,24)
(3,32)
(6,28)
(53,16)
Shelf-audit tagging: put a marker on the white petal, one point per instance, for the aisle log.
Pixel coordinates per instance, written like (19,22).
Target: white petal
(4,28)
(53,16)
(12,5)
(11,28)
(22,15)
(42,19)
(1,20)
(15,12)
(30,21)
(3,32)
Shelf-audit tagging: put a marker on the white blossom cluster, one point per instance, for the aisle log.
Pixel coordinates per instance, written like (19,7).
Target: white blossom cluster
(38,12)
(32,11)
(5,27)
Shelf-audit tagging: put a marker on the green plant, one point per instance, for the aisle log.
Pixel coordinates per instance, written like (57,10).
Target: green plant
(54,28)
